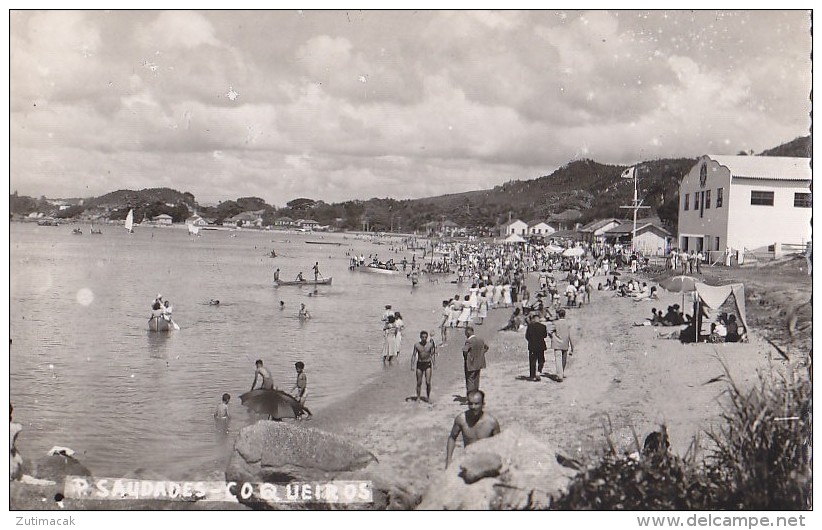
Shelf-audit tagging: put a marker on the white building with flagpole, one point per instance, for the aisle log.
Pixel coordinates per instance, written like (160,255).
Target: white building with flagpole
(740,203)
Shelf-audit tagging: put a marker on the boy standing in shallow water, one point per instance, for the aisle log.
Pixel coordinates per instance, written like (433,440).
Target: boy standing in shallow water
(300,389)
(222,409)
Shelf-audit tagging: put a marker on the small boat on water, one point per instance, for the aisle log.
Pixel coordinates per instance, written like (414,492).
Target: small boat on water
(379,269)
(159,324)
(130,221)
(322,243)
(322,281)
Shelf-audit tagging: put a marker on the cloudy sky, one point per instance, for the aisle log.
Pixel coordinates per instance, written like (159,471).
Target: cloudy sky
(338,105)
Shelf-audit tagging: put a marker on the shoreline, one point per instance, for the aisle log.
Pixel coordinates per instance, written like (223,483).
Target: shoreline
(623,382)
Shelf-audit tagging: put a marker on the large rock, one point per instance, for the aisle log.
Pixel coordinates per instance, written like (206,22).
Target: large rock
(279,453)
(273,451)
(56,467)
(528,477)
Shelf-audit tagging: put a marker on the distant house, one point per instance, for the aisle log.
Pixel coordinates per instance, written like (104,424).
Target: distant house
(566,220)
(516,226)
(196,220)
(283,221)
(162,219)
(594,232)
(651,237)
(308,224)
(246,219)
(449,228)
(540,228)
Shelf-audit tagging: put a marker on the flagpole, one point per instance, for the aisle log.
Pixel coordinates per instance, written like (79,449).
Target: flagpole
(633,235)
(635,205)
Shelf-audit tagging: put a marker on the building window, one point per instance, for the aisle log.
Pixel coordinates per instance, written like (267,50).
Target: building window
(802,200)
(696,200)
(716,243)
(687,197)
(719,197)
(707,199)
(761,198)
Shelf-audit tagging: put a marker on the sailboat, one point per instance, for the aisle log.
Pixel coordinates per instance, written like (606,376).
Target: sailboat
(193,230)
(130,221)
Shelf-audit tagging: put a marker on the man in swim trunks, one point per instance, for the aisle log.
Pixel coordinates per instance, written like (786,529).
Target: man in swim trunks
(265,376)
(474,424)
(425,353)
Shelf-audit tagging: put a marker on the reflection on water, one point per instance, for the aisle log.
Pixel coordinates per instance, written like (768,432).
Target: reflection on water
(86,373)
(158,344)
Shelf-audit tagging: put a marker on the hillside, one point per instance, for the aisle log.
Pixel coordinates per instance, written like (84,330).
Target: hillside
(593,188)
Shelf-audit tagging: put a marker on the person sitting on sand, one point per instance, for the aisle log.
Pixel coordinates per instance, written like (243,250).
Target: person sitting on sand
(515,322)
(733,334)
(474,424)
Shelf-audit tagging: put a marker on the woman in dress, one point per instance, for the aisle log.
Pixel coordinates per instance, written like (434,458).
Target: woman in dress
(399,325)
(389,346)
(465,314)
(482,310)
(506,293)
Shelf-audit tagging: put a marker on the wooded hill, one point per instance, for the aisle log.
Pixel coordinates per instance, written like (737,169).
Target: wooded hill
(595,189)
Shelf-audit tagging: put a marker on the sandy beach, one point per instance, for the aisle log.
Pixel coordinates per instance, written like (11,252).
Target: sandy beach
(621,379)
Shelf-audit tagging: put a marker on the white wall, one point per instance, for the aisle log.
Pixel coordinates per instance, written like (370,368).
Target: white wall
(757,226)
(714,221)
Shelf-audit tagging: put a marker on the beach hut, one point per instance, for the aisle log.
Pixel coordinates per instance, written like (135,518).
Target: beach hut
(715,300)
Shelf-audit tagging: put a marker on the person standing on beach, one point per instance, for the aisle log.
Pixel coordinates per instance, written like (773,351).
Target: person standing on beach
(561,343)
(267,383)
(474,424)
(423,359)
(535,334)
(473,354)
(446,317)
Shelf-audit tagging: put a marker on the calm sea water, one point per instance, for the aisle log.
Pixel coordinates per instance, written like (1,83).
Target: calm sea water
(86,373)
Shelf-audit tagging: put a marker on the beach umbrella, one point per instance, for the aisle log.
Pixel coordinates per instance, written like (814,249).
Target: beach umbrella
(275,403)
(679,284)
(573,252)
(553,249)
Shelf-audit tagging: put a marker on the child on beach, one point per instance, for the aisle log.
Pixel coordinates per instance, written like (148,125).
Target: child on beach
(221,411)
(300,389)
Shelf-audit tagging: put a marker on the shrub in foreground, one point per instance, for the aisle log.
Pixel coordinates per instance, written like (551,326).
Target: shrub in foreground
(761,460)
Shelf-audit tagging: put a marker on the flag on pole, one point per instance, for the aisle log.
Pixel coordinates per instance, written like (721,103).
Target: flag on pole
(629,173)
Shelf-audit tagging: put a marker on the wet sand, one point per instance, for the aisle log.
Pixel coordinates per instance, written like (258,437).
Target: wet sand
(621,379)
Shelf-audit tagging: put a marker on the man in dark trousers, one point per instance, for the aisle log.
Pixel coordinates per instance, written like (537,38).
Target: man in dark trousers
(535,334)
(474,354)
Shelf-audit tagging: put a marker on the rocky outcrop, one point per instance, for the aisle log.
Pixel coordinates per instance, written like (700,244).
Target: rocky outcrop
(280,453)
(273,451)
(511,471)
